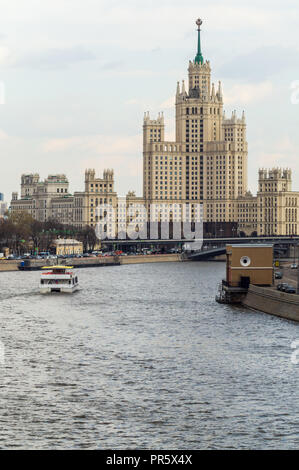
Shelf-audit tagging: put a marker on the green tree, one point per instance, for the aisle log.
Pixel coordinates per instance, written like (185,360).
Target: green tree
(88,237)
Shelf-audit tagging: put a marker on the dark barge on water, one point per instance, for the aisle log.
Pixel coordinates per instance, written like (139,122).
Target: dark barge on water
(37,265)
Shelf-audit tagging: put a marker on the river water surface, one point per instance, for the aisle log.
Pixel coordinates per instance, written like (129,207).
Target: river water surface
(142,357)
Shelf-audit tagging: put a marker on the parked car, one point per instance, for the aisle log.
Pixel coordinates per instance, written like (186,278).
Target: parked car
(282,286)
(278,275)
(290,290)
(294,266)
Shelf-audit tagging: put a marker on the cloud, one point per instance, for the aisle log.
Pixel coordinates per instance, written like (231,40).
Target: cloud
(112,65)
(261,63)
(169,103)
(5,55)
(120,152)
(151,104)
(55,57)
(3,135)
(284,153)
(137,72)
(246,93)
(121,67)
(102,144)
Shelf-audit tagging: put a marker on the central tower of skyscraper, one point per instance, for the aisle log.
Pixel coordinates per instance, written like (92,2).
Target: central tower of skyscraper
(207,163)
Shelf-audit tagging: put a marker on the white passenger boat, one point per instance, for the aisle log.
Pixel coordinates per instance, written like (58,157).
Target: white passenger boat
(58,279)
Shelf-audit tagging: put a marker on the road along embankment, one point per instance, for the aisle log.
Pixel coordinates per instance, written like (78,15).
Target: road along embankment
(274,302)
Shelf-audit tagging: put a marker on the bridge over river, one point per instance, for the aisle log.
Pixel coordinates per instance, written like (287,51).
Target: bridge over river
(283,246)
(210,247)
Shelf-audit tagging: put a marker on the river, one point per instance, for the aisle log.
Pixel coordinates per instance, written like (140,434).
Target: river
(142,357)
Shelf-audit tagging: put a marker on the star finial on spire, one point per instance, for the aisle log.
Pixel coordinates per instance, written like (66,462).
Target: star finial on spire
(199,23)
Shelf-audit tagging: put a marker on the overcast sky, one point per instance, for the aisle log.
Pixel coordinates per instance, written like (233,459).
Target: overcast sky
(78,75)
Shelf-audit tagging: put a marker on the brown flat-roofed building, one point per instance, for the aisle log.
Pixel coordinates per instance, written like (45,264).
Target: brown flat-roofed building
(249,264)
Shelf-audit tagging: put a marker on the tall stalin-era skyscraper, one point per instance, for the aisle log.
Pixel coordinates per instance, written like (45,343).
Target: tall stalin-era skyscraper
(207,163)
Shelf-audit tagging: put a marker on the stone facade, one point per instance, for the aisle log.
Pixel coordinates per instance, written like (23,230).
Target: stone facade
(207,162)
(277,204)
(46,199)
(98,193)
(274,210)
(50,199)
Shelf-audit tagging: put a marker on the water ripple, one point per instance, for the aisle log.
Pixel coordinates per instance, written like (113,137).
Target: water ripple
(142,357)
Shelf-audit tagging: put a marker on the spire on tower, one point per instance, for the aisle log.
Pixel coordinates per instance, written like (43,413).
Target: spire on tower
(199,57)
(213,90)
(219,91)
(183,87)
(178,89)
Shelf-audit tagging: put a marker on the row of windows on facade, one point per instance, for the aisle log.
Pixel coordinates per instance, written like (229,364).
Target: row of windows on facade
(270,187)
(211,159)
(195,110)
(44,190)
(291,229)
(168,148)
(61,190)
(101,201)
(234,133)
(195,121)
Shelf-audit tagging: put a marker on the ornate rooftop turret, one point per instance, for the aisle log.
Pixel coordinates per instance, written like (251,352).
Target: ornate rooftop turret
(108,174)
(90,174)
(148,121)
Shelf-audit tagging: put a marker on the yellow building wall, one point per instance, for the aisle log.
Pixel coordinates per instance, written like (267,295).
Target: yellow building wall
(69,249)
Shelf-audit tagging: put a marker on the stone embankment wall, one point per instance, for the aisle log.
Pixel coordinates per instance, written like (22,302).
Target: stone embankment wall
(12,265)
(274,302)
(150,258)
(9,265)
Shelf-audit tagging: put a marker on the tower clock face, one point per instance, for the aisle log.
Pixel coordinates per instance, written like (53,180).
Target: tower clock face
(245,261)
